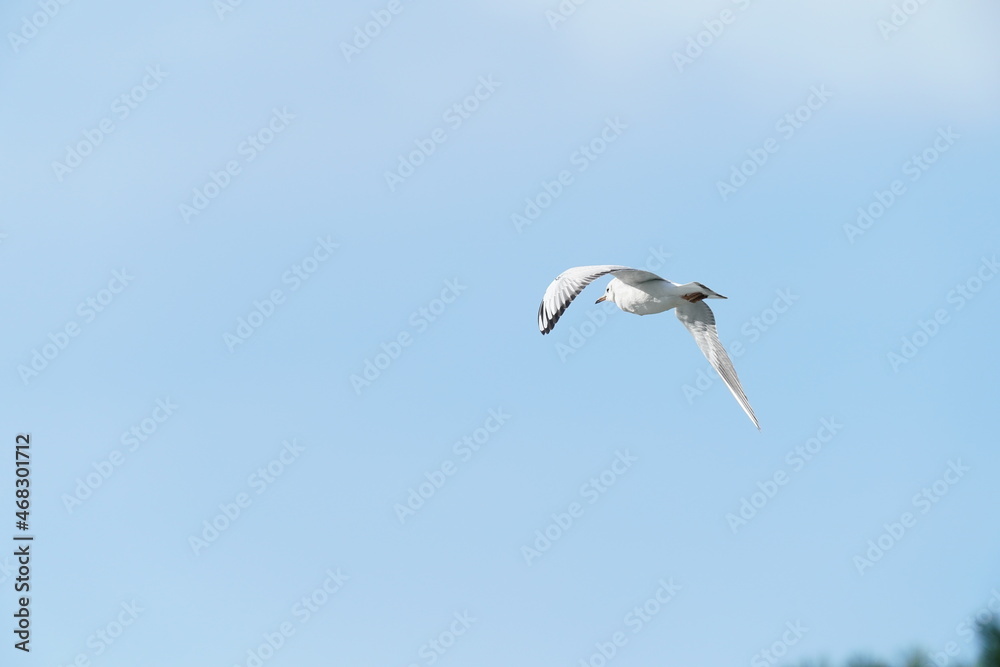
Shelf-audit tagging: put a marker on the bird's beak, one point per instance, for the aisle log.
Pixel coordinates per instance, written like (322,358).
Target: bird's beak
(602,299)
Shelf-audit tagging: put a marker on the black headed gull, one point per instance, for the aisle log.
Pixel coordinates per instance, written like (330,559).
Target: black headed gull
(644,293)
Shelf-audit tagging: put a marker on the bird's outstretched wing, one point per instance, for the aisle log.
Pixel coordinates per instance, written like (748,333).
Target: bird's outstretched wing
(561,292)
(700,321)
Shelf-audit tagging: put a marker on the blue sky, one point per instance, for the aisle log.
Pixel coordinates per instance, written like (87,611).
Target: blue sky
(219,221)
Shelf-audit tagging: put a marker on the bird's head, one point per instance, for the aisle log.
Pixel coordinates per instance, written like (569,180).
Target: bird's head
(609,292)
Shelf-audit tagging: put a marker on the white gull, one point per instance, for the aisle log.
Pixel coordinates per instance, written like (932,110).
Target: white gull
(644,293)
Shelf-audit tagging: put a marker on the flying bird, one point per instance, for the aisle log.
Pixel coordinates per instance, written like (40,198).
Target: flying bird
(644,293)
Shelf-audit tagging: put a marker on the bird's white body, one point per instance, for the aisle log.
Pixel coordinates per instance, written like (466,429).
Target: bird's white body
(645,293)
(653,296)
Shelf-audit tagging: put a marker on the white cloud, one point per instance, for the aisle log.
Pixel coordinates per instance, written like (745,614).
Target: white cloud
(944,54)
